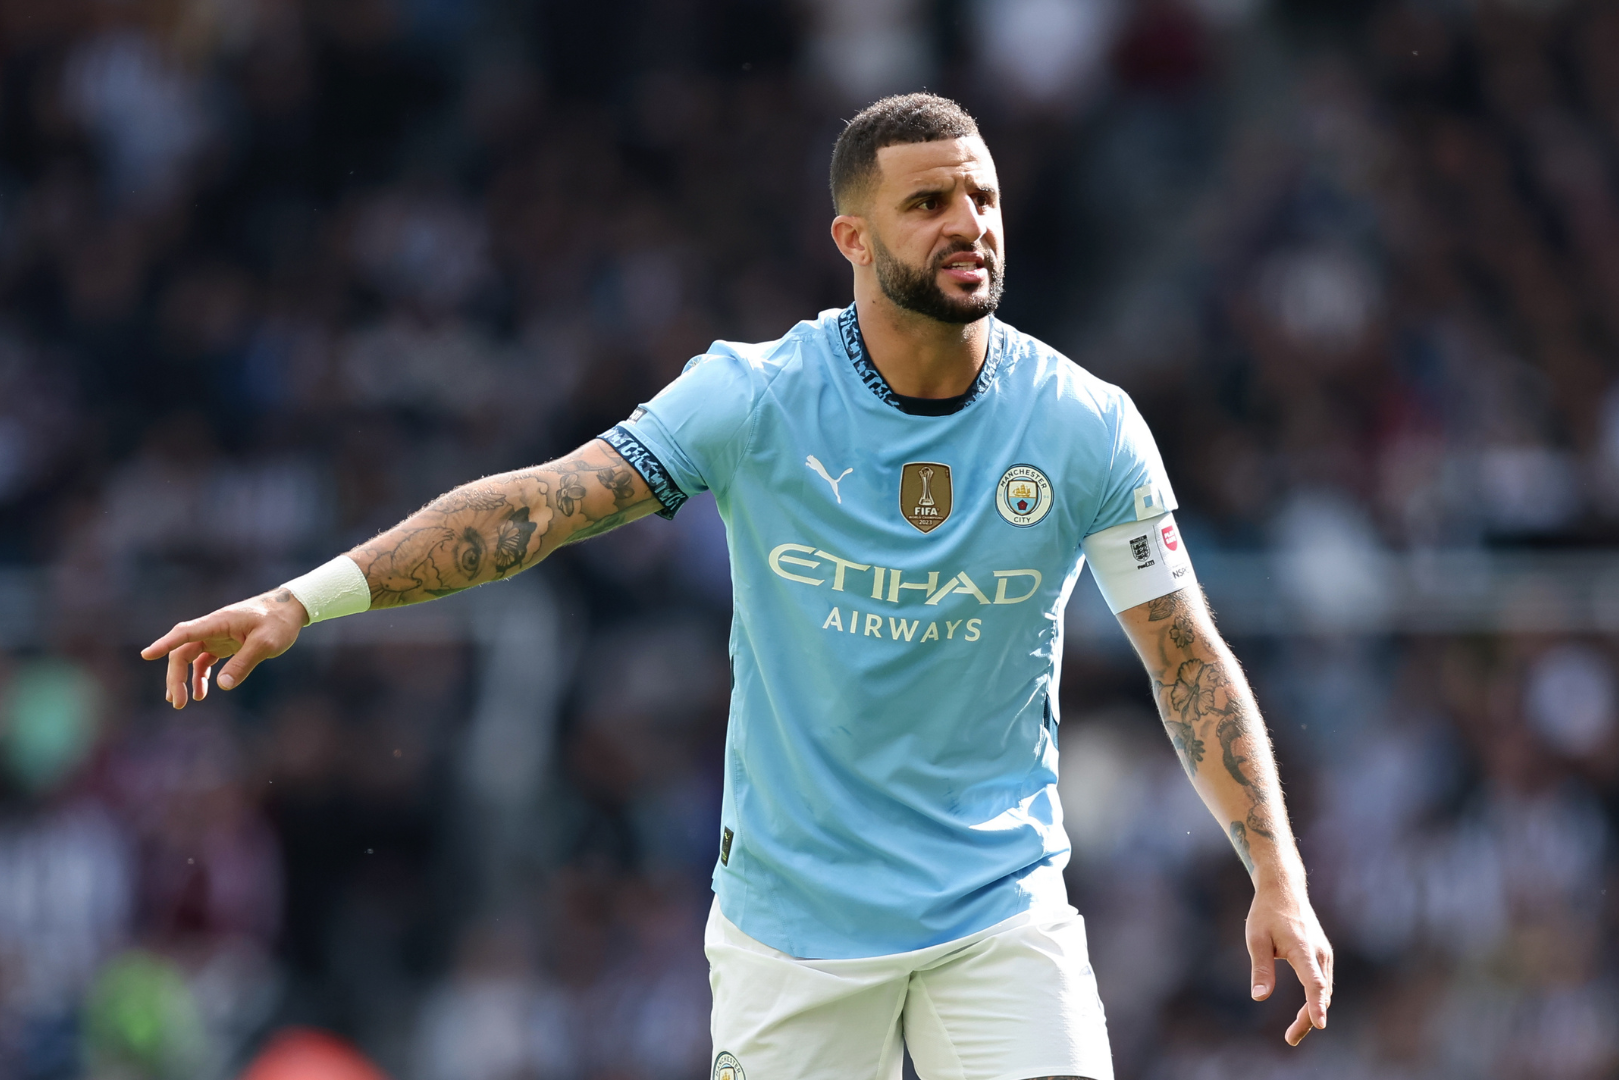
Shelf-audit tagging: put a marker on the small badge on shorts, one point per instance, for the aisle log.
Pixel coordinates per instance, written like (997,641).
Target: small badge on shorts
(727,1067)
(1023,497)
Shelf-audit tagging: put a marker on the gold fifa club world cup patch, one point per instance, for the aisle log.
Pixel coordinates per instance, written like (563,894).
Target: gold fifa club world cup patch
(925,495)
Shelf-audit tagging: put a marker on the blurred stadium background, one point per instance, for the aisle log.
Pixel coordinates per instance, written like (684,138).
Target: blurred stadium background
(274,272)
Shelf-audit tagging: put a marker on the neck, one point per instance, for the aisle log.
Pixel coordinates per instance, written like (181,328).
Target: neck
(920,357)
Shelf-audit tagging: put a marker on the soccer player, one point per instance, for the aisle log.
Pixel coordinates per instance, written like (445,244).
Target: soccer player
(910,488)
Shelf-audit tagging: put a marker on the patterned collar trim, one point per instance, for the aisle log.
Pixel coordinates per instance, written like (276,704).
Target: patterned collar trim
(855,345)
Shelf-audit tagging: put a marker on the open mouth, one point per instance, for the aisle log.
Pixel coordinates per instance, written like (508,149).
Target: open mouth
(965,267)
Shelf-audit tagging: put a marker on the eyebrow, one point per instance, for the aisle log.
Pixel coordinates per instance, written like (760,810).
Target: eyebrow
(925,192)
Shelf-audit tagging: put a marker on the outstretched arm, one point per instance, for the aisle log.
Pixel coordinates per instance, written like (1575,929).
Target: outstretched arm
(1209,713)
(488,529)
(494,527)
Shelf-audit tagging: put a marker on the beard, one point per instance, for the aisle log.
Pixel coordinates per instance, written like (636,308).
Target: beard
(918,290)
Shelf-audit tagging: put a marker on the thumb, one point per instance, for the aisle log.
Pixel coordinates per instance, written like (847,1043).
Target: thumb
(1262,952)
(240,666)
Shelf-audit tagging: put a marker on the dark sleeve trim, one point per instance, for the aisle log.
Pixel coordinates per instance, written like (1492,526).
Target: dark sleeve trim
(646,463)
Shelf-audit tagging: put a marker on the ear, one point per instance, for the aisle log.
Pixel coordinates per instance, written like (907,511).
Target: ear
(849,233)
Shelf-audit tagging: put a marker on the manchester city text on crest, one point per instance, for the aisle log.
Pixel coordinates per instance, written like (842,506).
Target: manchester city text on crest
(727,1067)
(925,494)
(1023,497)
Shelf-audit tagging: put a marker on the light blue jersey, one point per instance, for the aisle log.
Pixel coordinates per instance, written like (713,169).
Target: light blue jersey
(899,581)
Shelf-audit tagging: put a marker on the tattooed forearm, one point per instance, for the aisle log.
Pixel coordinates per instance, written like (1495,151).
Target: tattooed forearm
(1259,821)
(511,541)
(479,496)
(497,526)
(1204,700)
(1184,704)
(1188,747)
(1239,840)
(470,554)
(1233,727)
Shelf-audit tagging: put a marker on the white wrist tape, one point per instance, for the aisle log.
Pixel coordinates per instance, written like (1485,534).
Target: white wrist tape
(332,590)
(1139,561)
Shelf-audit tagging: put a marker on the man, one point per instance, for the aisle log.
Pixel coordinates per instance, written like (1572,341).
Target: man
(910,489)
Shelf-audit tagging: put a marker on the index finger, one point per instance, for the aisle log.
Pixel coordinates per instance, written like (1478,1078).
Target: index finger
(1301,1026)
(191,630)
(1316,993)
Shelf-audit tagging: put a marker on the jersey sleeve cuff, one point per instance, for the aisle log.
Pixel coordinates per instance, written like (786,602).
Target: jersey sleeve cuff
(1139,561)
(645,462)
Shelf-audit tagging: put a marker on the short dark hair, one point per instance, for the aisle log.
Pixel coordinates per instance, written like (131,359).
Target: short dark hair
(904,118)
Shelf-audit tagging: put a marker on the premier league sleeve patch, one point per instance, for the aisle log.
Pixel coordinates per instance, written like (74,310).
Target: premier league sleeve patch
(1023,497)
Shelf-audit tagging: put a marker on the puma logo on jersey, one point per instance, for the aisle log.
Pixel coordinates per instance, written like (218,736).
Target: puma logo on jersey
(815,463)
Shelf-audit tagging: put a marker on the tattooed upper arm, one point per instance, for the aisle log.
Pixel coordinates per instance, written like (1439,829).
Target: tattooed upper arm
(1176,607)
(494,527)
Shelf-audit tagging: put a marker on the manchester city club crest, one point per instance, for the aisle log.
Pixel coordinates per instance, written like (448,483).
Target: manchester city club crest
(925,495)
(1023,496)
(727,1067)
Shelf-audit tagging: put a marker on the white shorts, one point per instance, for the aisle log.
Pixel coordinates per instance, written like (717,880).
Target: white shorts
(1014,1001)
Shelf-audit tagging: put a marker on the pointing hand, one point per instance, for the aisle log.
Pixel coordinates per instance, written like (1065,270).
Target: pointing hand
(247,632)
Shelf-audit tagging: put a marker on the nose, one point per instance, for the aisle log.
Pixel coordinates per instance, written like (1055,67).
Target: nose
(966,220)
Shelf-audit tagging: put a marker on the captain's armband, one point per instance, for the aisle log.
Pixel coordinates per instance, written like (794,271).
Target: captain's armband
(1139,561)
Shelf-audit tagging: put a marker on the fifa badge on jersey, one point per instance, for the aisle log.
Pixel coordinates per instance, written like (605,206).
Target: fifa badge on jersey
(1023,496)
(727,1067)
(925,494)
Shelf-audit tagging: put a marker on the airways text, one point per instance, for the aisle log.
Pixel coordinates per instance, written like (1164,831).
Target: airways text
(869,625)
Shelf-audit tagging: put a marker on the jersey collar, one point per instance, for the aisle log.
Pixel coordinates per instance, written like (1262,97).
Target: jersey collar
(854,343)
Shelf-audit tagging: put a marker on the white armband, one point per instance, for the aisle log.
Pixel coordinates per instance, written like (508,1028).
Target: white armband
(332,589)
(1139,561)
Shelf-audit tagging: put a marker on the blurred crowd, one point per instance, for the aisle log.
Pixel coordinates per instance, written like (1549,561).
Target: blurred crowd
(274,272)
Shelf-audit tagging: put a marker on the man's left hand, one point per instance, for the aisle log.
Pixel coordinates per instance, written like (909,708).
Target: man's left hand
(1283,926)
